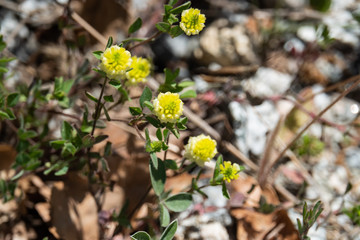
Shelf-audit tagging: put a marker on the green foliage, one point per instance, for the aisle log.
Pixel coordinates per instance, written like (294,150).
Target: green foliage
(309,218)
(309,146)
(354,214)
(320,5)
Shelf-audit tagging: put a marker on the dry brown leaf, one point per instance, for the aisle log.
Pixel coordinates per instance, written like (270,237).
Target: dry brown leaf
(246,183)
(73,209)
(255,225)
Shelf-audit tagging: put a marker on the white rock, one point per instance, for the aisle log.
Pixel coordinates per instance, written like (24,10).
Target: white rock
(251,129)
(307,33)
(317,233)
(267,82)
(213,231)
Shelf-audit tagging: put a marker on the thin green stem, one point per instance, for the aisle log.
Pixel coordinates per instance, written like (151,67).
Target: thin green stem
(98,107)
(155,35)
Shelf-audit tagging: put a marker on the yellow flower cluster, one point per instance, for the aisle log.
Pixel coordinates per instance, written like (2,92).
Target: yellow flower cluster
(192,22)
(200,149)
(140,70)
(230,172)
(115,61)
(168,107)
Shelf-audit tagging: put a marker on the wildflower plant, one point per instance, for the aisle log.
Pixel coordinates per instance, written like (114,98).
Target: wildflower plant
(192,21)
(230,171)
(72,151)
(140,69)
(200,149)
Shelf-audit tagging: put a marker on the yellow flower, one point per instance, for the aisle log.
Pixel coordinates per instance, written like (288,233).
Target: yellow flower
(229,171)
(115,61)
(140,70)
(200,149)
(168,107)
(192,22)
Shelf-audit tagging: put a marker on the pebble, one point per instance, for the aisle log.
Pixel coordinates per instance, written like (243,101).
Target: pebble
(267,82)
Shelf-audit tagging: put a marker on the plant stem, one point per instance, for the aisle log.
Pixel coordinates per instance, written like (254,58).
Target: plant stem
(155,35)
(98,107)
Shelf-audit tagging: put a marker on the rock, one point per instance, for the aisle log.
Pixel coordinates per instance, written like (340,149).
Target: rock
(250,130)
(267,82)
(352,156)
(226,44)
(213,231)
(307,33)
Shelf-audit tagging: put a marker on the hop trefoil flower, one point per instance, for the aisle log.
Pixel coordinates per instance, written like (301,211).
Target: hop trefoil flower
(140,69)
(200,149)
(168,107)
(230,172)
(115,61)
(192,21)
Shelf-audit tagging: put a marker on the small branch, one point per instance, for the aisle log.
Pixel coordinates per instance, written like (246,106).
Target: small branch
(155,35)
(316,118)
(332,87)
(98,107)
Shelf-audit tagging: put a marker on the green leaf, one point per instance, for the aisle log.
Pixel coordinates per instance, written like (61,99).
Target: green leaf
(135,26)
(154,160)
(115,83)
(170,76)
(12,99)
(176,31)
(175,132)
(154,121)
(188,94)
(107,150)
(70,148)
(66,131)
(102,73)
(109,42)
(100,138)
(185,84)
(179,202)
(97,54)
(62,171)
(109,98)
(67,85)
(225,191)
(320,5)
(141,235)
(91,97)
(159,134)
(135,111)
(171,18)
(23,135)
(4,115)
(164,215)
(3,70)
(57,144)
(170,164)
(173,2)
(217,169)
(158,177)
(106,113)
(181,8)
(145,96)
(18,175)
(163,26)
(170,231)
(149,105)
(104,164)
(124,93)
